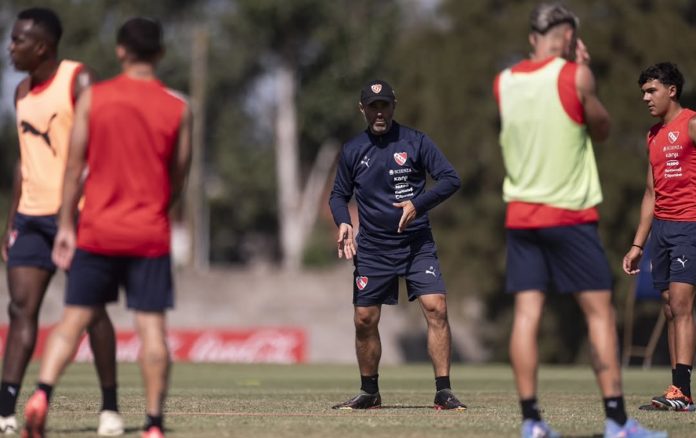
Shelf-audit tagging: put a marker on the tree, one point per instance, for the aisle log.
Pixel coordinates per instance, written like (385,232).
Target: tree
(301,45)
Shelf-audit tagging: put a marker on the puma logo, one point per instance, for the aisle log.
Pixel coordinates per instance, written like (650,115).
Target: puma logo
(431,271)
(28,127)
(683,262)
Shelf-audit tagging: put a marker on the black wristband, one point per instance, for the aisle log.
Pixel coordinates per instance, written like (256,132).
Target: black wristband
(637,246)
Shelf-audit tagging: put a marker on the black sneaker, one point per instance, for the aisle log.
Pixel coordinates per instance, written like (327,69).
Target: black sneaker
(445,399)
(673,400)
(361,401)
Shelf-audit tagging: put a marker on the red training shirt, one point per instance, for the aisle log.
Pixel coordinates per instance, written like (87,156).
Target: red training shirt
(133,131)
(673,161)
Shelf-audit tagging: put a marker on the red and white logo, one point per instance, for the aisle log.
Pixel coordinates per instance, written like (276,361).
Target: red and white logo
(361,282)
(376,88)
(673,136)
(400,158)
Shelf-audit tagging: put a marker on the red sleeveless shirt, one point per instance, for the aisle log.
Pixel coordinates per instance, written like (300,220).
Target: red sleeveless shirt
(133,131)
(673,161)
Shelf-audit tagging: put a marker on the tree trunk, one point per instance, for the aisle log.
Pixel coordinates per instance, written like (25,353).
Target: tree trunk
(287,167)
(298,209)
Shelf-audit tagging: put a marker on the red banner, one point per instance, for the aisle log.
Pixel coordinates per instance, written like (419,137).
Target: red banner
(286,345)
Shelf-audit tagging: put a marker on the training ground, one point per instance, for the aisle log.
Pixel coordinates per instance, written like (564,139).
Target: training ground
(210,400)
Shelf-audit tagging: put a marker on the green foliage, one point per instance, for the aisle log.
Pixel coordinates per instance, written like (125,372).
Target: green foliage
(442,67)
(447,92)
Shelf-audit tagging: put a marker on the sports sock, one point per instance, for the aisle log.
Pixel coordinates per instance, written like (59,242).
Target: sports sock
(109,400)
(674,377)
(8,398)
(615,410)
(530,409)
(442,382)
(682,378)
(48,389)
(369,384)
(156,421)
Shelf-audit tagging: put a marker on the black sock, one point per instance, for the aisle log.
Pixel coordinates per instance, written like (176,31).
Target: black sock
(682,378)
(369,384)
(8,398)
(442,382)
(48,389)
(109,400)
(530,409)
(155,421)
(674,377)
(614,409)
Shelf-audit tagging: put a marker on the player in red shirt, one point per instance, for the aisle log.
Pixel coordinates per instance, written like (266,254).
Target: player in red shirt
(133,136)
(668,210)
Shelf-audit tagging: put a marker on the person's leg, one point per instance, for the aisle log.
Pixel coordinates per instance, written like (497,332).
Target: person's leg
(681,303)
(102,340)
(523,341)
(154,363)
(434,307)
(669,319)
(368,346)
(601,325)
(27,287)
(59,351)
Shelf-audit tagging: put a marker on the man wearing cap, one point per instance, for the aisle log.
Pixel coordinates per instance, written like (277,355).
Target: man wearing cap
(550,114)
(385,166)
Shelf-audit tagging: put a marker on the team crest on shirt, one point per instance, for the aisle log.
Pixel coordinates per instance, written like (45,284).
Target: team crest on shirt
(400,158)
(673,136)
(376,88)
(361,282)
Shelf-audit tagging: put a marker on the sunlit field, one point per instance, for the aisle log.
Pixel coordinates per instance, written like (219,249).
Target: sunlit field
(295,401)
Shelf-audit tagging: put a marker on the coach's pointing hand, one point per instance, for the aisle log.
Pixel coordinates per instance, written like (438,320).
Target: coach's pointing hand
(346,243)
(408,215)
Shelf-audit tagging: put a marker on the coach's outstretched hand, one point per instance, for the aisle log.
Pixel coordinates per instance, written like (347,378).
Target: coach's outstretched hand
(64,248)
(346,242)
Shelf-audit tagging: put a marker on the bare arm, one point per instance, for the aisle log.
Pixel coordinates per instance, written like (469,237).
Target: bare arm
(16,194)
(16,187)
(82,80)
(647,209)
(65,242)
(692,129)
(181,160)
(596,116)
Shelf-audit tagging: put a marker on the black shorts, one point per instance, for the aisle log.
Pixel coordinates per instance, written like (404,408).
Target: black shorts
(674,253)
(94,280)
(571,258)
(377,272)
(31,241)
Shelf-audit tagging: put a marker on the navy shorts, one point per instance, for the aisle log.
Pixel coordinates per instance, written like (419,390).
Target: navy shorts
(377,272)
(569,259)
(94,280)
(674,253)
(31,241)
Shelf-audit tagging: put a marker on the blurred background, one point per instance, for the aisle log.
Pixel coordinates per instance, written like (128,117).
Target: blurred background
(275,85)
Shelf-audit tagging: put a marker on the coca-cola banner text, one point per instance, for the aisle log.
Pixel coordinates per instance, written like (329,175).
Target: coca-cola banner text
(286,345)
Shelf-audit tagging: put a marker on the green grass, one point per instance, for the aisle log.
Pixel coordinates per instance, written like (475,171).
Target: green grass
(294,401)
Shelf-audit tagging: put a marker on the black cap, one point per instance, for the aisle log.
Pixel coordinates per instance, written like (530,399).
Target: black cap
(377,90)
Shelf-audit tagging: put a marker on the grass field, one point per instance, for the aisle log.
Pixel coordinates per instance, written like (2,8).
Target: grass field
(294,401)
